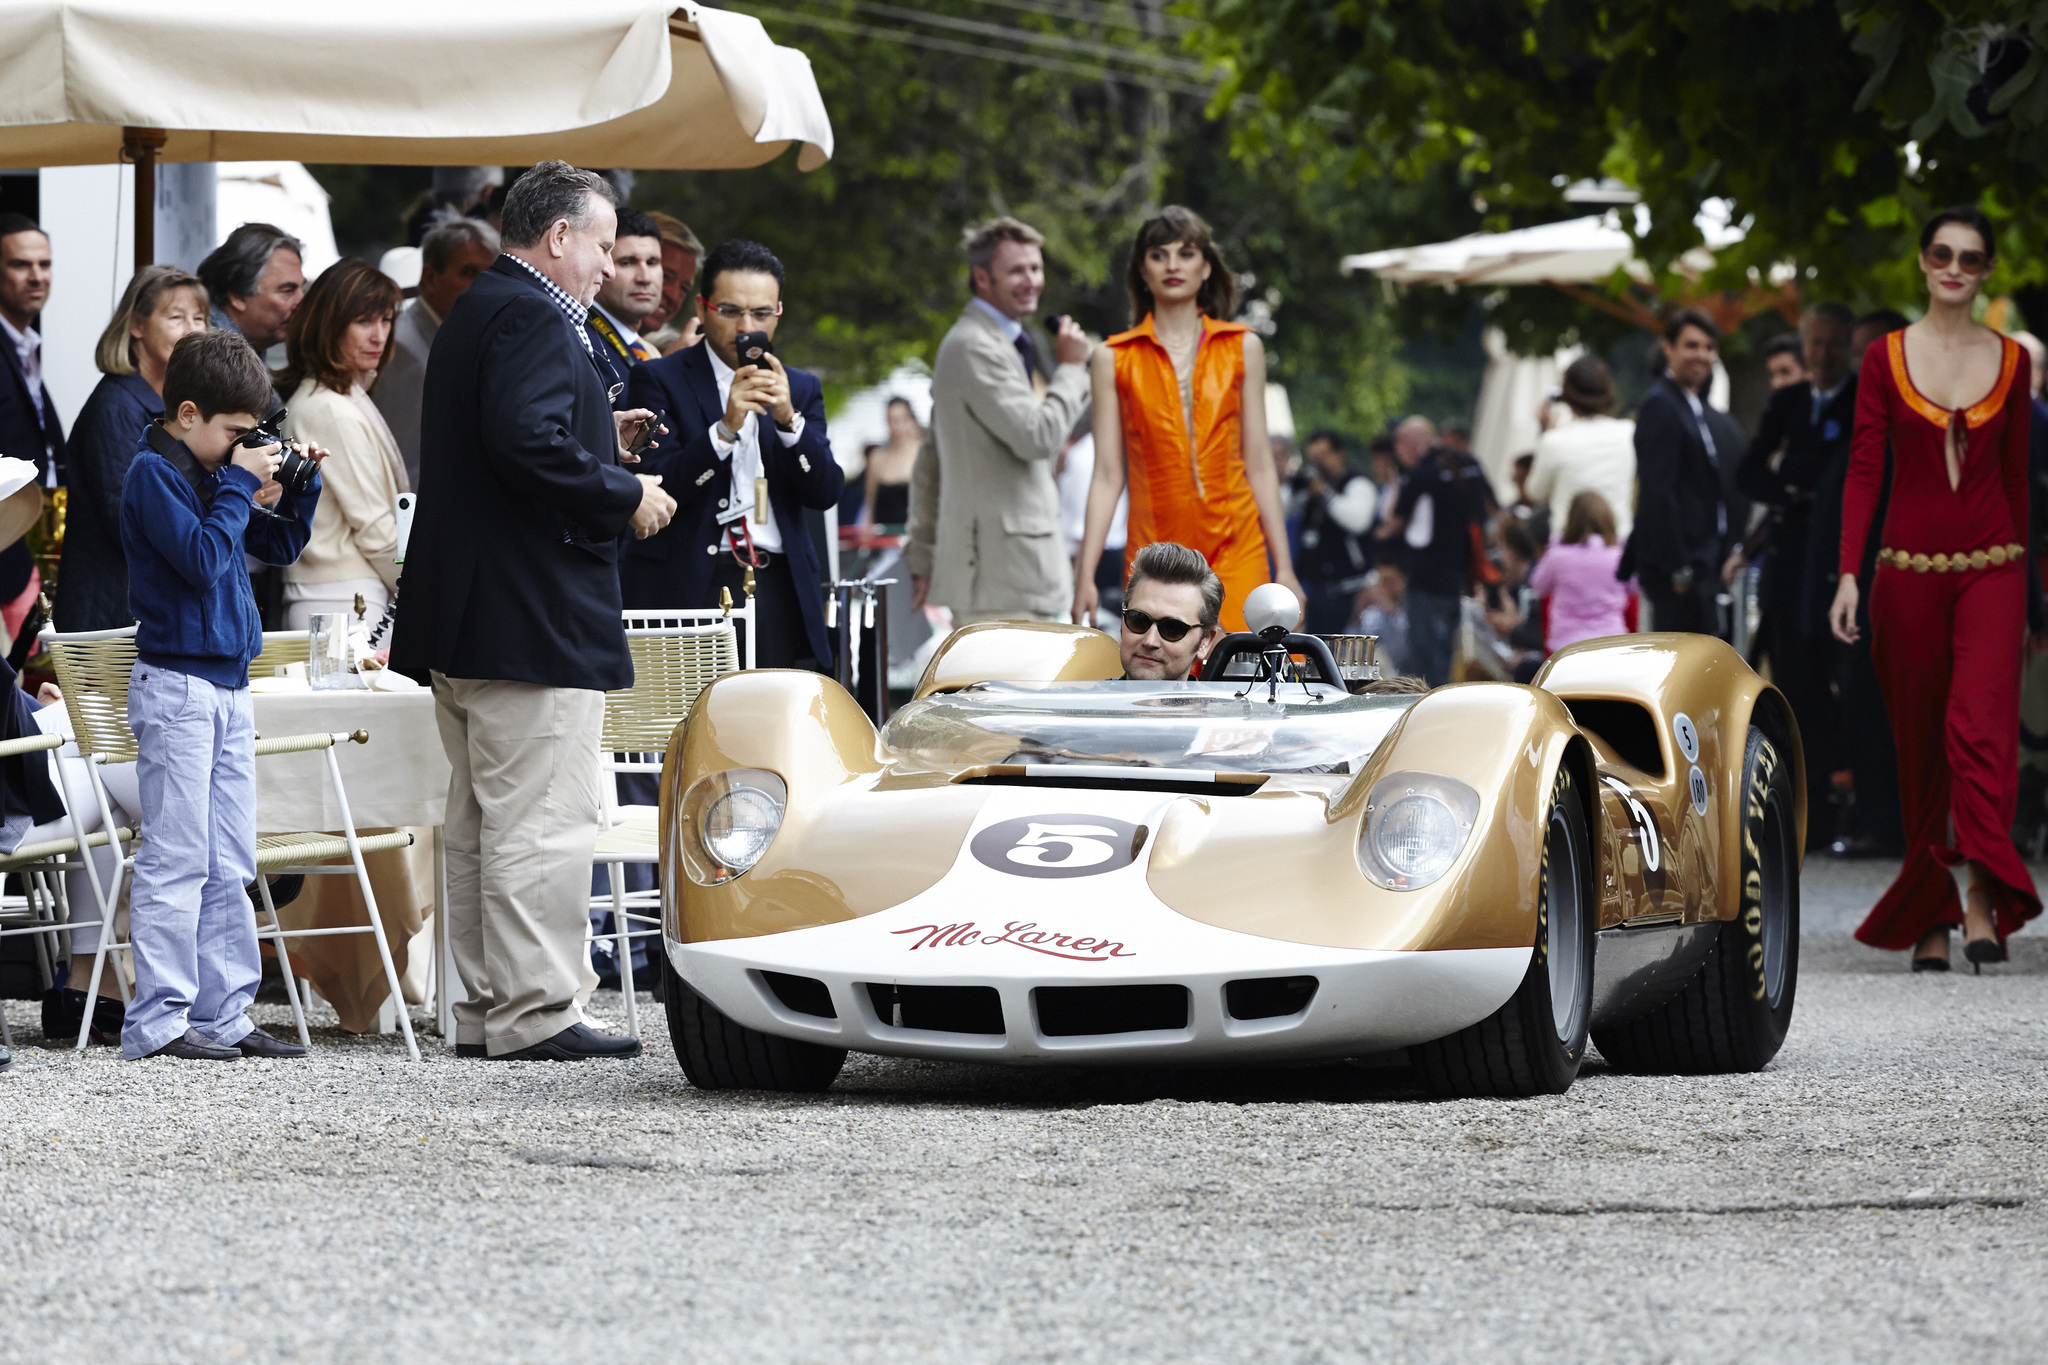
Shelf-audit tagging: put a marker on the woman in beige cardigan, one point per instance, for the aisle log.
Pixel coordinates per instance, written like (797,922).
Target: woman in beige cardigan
(333,346)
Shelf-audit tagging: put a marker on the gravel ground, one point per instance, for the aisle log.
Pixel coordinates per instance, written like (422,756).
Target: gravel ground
(1879,1193)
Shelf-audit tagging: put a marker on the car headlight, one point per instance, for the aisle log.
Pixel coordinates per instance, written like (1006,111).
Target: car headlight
(726,822)
(1416,824)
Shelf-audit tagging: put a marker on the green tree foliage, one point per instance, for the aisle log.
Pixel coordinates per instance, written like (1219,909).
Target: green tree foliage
(1799,112)
(931,141)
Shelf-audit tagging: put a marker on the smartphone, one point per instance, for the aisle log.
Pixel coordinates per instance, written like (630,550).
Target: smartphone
(752,348)
(645,437)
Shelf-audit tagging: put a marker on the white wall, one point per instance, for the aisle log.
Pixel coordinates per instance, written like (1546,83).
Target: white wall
(89,212)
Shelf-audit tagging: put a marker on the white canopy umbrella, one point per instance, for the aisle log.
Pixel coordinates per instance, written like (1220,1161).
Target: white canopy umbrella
(646,84)
(1579,250)
(1575,251)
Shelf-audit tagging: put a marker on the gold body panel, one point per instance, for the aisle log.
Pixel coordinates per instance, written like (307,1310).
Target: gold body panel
(1697,676)
(1021,651)
(881,847)
(861,835)
(1272,865)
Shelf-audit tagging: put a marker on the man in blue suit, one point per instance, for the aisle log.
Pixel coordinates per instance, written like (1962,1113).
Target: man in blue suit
(624,301)
(744,455)
(29,426)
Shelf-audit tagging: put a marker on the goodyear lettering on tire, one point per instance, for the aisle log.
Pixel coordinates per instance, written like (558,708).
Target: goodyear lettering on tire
(1752,857)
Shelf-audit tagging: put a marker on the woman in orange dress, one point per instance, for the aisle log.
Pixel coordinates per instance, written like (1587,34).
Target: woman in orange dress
(1948,608)
(1180,412)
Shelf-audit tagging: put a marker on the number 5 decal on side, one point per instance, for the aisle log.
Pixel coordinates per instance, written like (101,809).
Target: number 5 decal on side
(1075,846)
(1058,845)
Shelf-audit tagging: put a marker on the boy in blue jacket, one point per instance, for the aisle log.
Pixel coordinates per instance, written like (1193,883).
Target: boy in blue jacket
(189,510)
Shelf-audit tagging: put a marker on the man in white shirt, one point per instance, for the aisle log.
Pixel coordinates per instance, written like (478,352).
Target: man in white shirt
(451,258)
(745,452)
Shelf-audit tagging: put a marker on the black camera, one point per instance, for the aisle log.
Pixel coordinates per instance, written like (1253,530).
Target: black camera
(752,348)
(297,471)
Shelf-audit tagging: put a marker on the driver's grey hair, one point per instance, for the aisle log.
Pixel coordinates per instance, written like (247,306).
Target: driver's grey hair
(1166,561)
(549,193)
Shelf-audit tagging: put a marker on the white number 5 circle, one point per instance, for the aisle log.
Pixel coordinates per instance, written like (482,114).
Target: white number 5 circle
(1080,850)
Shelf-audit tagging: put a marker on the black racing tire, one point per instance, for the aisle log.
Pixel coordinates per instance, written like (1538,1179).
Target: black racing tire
(1734,1014)
(718,1054)
(1534,1043)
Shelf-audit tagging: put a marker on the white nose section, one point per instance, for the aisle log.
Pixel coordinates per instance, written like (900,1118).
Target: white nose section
(1271,605)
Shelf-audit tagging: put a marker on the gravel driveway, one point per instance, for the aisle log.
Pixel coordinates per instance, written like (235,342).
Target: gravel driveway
(1879,1193)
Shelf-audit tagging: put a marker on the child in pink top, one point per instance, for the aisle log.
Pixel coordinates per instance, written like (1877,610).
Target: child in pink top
(1577,575)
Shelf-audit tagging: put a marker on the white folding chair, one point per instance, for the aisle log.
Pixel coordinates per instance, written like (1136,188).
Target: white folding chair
(676,654)
(92,669)
(43,907)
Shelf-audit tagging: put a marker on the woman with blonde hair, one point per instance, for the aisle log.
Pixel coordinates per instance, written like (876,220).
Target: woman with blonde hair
(161,304)
(333,346)
(1180,413)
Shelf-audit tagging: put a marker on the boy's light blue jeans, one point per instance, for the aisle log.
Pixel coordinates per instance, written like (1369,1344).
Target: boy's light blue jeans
(194,932)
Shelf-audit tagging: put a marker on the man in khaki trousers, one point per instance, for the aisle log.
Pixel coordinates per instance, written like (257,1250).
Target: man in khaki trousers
(984,509)
(511,607)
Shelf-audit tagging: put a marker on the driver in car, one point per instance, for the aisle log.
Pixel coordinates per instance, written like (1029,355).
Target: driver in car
(1172,607)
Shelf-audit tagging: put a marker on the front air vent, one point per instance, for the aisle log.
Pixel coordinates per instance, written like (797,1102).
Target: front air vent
(1626,727)
(1268,997)
(801,994)
(1115,778)
(939,1009)
(1082,1011)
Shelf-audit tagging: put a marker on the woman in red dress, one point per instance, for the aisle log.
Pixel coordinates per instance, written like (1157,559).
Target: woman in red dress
(1948,604)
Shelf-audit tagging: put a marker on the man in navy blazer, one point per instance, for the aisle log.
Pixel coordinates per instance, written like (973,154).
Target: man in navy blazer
(731,426)
(625,300)
(510,606)
(29,426)
(1689,512)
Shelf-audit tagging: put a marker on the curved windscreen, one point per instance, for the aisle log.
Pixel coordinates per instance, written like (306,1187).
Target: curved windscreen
(1145,724)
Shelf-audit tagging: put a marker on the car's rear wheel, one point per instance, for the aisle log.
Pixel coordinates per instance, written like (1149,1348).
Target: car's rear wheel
(1733,1016)
(719,1054)
(1533,1044)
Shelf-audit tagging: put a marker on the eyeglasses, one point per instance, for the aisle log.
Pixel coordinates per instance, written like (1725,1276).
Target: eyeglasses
(1970,262)
(1170,630)
(760,317)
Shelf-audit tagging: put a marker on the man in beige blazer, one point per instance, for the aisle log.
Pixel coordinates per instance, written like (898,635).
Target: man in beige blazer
(984,510)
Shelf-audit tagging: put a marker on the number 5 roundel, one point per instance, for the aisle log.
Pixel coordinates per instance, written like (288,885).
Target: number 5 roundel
(1058,845)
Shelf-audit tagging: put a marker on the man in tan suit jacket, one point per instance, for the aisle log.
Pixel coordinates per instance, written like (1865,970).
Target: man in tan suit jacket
(984,511)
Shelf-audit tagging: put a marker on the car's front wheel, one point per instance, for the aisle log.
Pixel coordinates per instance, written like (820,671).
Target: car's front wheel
(1533,1044)
(720,1054)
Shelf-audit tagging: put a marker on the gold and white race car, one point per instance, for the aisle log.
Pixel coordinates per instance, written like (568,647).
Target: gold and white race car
(1036,862)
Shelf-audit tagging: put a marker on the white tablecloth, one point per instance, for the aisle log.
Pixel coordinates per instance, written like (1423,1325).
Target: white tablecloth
(399,778)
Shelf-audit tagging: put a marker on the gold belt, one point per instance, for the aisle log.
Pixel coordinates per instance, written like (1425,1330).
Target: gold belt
(1976,559)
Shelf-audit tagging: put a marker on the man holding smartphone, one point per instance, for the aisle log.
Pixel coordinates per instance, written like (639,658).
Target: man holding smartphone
(745,452)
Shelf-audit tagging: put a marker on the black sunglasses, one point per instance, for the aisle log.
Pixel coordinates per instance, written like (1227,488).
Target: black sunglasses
(1171,629)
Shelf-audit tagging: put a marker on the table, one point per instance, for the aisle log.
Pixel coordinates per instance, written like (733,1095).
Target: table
(398,780)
